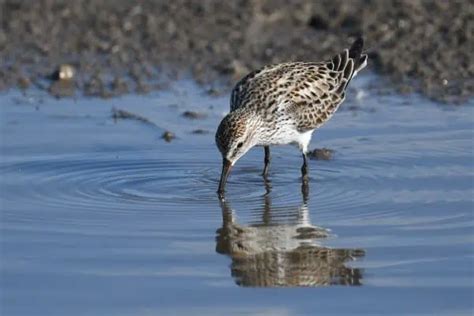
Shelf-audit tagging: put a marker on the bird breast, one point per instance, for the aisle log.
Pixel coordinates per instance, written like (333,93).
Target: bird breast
(281,134)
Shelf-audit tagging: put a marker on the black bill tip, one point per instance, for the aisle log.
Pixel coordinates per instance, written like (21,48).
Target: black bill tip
(226,167)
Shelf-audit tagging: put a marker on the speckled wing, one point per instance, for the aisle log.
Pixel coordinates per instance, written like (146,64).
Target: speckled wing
(251,86)
(319,92)
(270,87)
(308,93)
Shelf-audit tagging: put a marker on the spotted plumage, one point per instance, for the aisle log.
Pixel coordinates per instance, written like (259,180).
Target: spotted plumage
(285,103)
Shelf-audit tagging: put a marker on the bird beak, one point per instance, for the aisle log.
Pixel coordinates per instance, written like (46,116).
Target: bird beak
(226,166)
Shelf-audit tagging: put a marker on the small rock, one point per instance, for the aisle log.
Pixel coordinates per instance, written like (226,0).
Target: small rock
(168,136)
(321,154)
(200,132)
(194,115)
(64,72)
(24,82)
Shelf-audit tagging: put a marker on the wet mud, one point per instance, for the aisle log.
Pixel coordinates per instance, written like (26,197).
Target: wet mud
(119,47)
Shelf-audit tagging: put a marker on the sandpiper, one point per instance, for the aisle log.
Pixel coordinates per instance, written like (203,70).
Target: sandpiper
(284,104)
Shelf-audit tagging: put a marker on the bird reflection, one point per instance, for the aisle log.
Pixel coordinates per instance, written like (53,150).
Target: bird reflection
(281,249)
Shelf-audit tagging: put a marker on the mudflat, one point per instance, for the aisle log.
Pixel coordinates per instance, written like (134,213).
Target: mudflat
(124,46)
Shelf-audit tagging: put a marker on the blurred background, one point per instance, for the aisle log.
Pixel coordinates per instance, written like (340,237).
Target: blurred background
(119,46)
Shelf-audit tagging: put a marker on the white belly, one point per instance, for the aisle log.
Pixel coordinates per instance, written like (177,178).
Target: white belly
(288,135)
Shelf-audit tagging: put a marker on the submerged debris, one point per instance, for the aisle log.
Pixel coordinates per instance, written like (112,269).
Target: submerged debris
(168,136)
(192,115)
(321,154)
(118,114)
(200,131)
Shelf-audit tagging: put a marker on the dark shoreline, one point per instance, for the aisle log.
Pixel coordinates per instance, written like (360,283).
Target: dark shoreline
(121,46)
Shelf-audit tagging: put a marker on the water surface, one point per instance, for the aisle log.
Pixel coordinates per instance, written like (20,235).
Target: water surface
(103,217)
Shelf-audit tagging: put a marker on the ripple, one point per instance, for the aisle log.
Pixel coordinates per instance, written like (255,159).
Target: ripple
(342,191)
(100,183)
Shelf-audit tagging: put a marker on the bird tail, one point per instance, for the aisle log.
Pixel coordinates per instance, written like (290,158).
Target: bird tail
(348,63)
(355,53)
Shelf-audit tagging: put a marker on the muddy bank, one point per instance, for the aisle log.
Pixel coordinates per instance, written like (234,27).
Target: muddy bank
(117,47)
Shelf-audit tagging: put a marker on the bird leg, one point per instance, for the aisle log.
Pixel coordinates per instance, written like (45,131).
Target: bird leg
(304,168)
(305,191)
(266,160)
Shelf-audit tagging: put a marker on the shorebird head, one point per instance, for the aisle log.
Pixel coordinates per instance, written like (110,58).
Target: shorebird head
(234,137)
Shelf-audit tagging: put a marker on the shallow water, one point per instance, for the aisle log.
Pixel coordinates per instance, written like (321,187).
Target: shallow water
(102,217)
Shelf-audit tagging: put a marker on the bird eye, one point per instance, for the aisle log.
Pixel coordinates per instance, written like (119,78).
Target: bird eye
(240,145)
